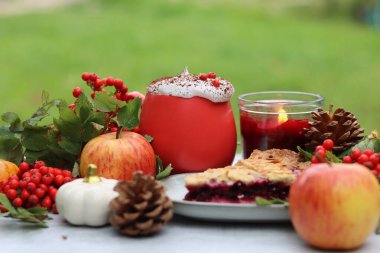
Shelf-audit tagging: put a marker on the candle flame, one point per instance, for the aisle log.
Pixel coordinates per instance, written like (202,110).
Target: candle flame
(282,116)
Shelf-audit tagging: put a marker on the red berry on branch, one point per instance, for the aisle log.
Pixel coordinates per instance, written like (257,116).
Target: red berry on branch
(203,76)
(22,184)
(43,187)
(67,180)
(347,159)
(375,173)
(110,81)
(375,158)
(368,152)
(72,106)
(47,179)
(24,167)
(58,181)
(11,194)
(13,184)
(320,153)
(24,194)
(211,75)
(13,177)
(216,83)
(77,92)
(118,83)
(113,129)
(31,187)
(39,164)
(17,202)
(355,153)
(35,179)
(46,202)
(369,165)
(363,158)
(44,170)
(328,144)
(123,89)
(52,193)
(40,192)
(54,209)
(92,77)
(66,173)
(93,95)
(86,76)
(315,160)
(378,167)
(33,200)
(319,147)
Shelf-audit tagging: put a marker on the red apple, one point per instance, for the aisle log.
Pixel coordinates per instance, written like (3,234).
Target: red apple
(335,207)
(119,158)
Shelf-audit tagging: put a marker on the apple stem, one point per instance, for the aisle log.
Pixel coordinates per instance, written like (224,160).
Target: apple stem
(378,229)
(119,131)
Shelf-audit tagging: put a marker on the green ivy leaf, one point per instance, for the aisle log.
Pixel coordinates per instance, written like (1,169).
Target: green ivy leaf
(128,115)
(106,103)
(84,108)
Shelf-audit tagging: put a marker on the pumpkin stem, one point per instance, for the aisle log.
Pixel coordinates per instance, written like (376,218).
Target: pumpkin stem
(92,174)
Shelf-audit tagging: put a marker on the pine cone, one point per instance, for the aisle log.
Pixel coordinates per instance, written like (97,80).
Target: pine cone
(342,127)
(142,206)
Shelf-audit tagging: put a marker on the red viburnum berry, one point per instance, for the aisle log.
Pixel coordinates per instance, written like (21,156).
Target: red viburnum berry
(363,158)
(11,194)
(58,181)
(315,160)
(24,194)
(46,202)
(347,159)
(24,167)
(13,184)
(328,144)
(203,76)
(47,179)
(52,193)
(31,187)
(375,158)
(39,164)
(211,75)
(93,95)
(123,89)
(33,200)
(355,153)
(86,76)
(77,92)
(110,81)
(216,83)
(40,192)
(368,152)
(22,184)
(17,202)
(118,83)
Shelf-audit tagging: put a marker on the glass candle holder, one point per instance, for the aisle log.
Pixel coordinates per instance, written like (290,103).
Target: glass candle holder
(275,119)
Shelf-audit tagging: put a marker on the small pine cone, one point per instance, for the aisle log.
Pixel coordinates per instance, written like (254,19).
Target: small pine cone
(342,127)
(142,206)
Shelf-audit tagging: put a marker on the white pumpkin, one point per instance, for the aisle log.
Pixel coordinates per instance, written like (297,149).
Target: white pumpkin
(86,201)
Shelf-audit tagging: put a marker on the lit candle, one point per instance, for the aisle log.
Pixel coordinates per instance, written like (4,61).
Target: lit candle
(274,123)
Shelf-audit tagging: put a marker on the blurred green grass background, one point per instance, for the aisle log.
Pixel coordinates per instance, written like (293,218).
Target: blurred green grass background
(254,47)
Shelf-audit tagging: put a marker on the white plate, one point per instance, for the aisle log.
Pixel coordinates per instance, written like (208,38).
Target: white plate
(175,187)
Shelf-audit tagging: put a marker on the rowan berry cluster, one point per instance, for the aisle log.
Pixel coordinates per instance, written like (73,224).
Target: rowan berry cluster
(35,185)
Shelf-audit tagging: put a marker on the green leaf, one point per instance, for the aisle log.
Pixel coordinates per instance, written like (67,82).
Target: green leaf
(68,129)
(11,149)
(128,116)
(305,154)
(32,156)
(14,121)
(35,139)
(91,131)
(148,138)
(372,141)
(37,210)
(162,172)
(4,201)
(275,201)
(332,158)
(71,147)
(84,108)
(107,103)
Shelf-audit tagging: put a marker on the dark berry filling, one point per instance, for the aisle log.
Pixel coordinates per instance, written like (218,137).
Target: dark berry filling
(237,192)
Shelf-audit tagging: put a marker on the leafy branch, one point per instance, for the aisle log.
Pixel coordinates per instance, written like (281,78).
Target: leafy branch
(35,215)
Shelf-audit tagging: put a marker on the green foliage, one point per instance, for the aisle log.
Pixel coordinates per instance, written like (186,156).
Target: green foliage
(266,202)
(35,215)
(128,116)
(162,172)
(372,141)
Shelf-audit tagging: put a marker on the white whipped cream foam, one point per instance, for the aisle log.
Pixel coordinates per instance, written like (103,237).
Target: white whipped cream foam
(187,85)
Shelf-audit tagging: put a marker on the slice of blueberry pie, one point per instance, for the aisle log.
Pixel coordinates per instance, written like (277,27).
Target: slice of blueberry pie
(267,174)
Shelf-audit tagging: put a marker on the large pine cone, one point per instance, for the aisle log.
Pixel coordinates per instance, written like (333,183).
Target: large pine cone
(342,127)
(142,207)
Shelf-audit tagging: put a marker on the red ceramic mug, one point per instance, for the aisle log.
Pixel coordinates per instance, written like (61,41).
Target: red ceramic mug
(193,134)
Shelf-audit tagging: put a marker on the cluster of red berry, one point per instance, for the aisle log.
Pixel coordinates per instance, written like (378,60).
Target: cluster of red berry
(367,158)
(210,75)
(98,84)
(35,185)
(320,151)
